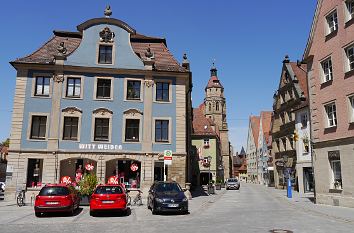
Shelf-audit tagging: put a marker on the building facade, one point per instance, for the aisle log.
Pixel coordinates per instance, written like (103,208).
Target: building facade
(263,156)
(103,100)
(290,96)
(205,139)
(251,149)
(329,55)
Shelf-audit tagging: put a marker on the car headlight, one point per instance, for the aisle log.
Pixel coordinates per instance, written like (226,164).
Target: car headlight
(185,199)
(158,200)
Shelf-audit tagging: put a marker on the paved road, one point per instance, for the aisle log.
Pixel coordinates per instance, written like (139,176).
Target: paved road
(252,209)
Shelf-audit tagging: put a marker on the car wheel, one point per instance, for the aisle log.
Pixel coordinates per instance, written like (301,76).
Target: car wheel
(153,210)
(38,214)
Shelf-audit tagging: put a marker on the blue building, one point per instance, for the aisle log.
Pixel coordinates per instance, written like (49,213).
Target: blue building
(103,100)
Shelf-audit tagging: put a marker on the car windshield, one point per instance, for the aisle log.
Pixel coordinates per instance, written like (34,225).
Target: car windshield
(232,180)
(168,187)
(54,191)
(109,190)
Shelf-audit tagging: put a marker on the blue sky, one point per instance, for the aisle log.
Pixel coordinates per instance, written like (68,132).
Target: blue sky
(247,39)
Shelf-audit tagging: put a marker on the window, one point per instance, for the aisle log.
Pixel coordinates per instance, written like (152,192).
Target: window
(337,174)
(161,130)
(73,87)
(70,128)
(332,22)
(206,142)
(133,90)
(210,108)
(350,57)
(105,54)
(331,114)
(132,130)
(351,108)
(327,70)
(290,116)
(303,118)
(349,9)
(217,106)
(103,88)
(39,127)
(101,129)
(163,92)
(282,118)
(34,173)
(42,86)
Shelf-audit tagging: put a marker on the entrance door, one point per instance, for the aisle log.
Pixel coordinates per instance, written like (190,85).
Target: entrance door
(205,178)
(308,179)
(158,171)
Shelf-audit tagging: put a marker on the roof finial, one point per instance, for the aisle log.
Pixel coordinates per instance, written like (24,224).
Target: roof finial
(148,53)
(61,49)
(286,59)
(185,62)
(108,11)
(213,70)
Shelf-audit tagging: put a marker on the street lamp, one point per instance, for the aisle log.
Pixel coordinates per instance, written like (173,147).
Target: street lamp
(209,182)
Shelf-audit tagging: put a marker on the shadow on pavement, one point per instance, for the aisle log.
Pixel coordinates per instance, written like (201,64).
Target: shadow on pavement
(112,213)
(61,214)
(198,191)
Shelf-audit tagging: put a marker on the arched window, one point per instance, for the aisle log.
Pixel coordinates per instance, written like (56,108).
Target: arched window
(209,107)
(217,106)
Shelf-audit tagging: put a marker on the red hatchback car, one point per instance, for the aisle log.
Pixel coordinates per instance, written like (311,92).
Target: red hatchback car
(108,197)
(56,198)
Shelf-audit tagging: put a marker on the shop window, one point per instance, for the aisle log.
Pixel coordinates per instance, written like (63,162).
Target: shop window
(132,130)
(133,90)
(105,54)
(34,173)
(101,129)
(38,127)
(336,174)
(73,87)
(103,88)
(70,128)
(42,86)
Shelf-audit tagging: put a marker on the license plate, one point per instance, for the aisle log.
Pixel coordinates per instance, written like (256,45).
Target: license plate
(52,203)
(172,205)
(107,202)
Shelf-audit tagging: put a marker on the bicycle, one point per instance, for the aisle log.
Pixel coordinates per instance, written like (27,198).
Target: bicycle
(137,199)
(21,198)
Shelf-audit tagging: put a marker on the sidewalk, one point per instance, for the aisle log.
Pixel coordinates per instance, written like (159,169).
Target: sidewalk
(306,204)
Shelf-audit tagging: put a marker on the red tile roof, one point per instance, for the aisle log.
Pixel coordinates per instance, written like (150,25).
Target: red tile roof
(214,82)
(243,166)
(164,60)
(255,128)
(266,117)
(302,79)
(201,124)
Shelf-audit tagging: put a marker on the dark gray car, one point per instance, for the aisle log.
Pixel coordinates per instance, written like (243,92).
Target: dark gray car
(232,183)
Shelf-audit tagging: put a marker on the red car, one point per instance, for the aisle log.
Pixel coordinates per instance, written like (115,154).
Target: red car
(56,198)
(108,197)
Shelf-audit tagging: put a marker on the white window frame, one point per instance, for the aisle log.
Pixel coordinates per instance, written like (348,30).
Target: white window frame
(101,113)
(29,127)
(332,162)
(169,119)
(331,114)
(71,112)
(332,22)
(349,58)
(327,70)
(65,90)
(34,86)
(141,99)
(349,10)
(351,108)
(111,90)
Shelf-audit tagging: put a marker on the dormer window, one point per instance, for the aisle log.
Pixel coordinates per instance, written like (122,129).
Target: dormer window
(105,54)
(332,22)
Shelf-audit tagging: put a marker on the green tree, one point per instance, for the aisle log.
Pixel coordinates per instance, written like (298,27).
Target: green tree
(5,143)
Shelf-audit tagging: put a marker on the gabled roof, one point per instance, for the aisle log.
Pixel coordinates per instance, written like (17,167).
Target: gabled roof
(266,117)
(313,29)
(242,152)
(201,125)
(164,60)
(255,120)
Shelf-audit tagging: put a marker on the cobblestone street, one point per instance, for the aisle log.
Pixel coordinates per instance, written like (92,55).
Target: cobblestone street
(252,209)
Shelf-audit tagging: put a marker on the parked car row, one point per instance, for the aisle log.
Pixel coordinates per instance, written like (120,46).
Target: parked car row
(163,197)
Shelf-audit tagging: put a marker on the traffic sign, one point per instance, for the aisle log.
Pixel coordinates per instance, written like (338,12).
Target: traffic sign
(167,158)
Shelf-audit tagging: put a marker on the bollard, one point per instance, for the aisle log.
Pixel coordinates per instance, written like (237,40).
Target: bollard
(289,190)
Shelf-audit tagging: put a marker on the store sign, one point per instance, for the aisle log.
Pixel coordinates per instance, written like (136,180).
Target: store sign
(167,158)
(99,147)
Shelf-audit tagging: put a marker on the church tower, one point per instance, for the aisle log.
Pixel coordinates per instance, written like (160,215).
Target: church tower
(215,110)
